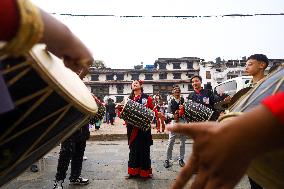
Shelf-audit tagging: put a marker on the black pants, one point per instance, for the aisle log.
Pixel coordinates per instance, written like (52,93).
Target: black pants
(139,156)
(74,151)
(139,150)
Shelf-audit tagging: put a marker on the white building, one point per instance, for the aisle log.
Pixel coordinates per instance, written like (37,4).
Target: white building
(160,77)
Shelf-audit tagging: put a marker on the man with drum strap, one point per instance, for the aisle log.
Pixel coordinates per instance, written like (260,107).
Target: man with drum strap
(72,149)
(255,66)
(139,141)
(203,96)
(176,113)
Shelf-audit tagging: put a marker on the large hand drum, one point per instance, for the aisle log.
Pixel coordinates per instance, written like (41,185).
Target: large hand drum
(137,115)
(268,169)
(196,112)
(51,102)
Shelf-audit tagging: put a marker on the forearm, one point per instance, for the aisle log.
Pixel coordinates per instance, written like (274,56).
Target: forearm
(55,32)
(255,132)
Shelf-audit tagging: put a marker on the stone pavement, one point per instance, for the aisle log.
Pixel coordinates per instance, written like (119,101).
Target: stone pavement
(108,132)
(107,153)
(106,167)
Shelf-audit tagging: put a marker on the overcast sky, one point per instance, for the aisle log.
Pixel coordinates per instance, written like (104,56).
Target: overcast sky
(122,42)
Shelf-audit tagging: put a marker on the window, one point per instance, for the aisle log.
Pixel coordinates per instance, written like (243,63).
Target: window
(119,89)
(243,64)
(176,65)
(189,65)
(208,75)
(163,76)
(190,88)
(232,76)
(162,65)
(134,76)
(177,75)
(109,77)
(95,77)
(119,99)
(148,76)
(119,76)
(100,90)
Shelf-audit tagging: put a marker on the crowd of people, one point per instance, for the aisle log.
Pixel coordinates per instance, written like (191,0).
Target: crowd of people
(222,151)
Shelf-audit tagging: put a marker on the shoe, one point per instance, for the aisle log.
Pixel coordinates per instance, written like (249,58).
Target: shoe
(167,164)
(85,158)
(58,184)
(79,181)
(181,162)
(34,168)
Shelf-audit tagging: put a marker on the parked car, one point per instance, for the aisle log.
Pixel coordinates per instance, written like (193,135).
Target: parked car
(232,86)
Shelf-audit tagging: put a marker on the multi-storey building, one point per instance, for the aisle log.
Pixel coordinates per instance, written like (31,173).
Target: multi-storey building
(158,78)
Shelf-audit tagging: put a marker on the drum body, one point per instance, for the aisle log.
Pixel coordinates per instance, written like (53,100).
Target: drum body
(100,114)
(45,112)
(268,169)
(137,115)
(196,112)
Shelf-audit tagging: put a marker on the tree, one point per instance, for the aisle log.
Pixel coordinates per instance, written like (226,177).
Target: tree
(218,60)
(99,64)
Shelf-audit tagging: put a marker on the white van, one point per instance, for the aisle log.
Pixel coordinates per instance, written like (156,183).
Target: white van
(232,86)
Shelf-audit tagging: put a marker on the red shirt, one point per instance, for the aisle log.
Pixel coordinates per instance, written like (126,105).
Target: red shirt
(275,104)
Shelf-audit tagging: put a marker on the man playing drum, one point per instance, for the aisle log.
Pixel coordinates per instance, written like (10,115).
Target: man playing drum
(255,66)
(202,96)
(176,113)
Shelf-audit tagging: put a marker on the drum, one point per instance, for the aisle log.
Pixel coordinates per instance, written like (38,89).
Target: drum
(51,102)
(196,112)
(268,169)
(101,112)
(137,115)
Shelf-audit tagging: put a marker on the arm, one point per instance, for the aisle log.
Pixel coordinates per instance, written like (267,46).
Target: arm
(64,44)
(24,22)
(225,149)
(151,106)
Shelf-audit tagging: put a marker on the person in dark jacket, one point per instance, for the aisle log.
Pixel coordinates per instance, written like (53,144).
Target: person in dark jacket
(203,96)
(110,110)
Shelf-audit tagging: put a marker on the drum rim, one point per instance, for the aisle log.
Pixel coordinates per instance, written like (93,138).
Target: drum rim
(54,84)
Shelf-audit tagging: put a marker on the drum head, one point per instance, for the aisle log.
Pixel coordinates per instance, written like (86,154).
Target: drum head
(63,80)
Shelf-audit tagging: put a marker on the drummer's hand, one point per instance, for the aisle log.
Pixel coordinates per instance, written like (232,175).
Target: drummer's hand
(213,157)
(176,116)
(64,44)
